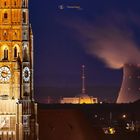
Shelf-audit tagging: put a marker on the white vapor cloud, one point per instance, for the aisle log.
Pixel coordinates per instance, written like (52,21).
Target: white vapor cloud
(111,39)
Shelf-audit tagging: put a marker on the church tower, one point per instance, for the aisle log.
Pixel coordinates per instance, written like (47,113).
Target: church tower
(18,111)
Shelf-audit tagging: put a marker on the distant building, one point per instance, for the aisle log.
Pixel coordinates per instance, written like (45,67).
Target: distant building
(82,98)
(85,99)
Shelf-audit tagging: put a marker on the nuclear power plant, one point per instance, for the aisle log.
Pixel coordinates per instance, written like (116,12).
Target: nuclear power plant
(130,89)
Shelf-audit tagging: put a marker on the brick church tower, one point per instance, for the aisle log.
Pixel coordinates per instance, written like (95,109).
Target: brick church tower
(18,111)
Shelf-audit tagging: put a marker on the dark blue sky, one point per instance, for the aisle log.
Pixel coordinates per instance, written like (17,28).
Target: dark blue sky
(59,52)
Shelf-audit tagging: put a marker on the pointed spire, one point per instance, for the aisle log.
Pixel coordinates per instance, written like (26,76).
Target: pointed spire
(83,79)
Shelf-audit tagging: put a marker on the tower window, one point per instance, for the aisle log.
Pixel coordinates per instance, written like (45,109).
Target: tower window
(15,3)
(25,54)
(5,54)
(5,33)
(24,35)
(5,15)
(24,17)
(16,34)
(5,3)
(15,52)
(23,3)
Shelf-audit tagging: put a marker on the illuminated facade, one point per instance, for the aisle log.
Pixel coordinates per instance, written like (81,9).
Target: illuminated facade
(18,111)
(79,100)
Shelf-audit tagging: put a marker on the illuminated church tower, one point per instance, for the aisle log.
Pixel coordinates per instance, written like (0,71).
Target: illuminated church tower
(18,112)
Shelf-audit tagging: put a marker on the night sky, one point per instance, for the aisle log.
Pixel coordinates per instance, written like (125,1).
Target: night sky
(64,39)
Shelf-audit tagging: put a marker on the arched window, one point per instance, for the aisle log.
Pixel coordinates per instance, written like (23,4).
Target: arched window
(23,3)
(25,54)
(15,3)
(5,54)
(24,17)
(5,33)
(5,3)
(5,15)
(15,52)
(15,34)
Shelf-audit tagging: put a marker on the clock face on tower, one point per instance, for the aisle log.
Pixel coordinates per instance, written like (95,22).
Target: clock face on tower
(5,74)
(26,74)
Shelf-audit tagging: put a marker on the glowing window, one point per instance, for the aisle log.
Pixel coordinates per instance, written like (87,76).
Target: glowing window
(5,33)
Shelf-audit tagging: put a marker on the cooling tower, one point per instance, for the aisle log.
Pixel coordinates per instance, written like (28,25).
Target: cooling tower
(130,89)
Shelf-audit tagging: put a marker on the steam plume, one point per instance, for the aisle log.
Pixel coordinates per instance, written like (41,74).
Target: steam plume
(113,41)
